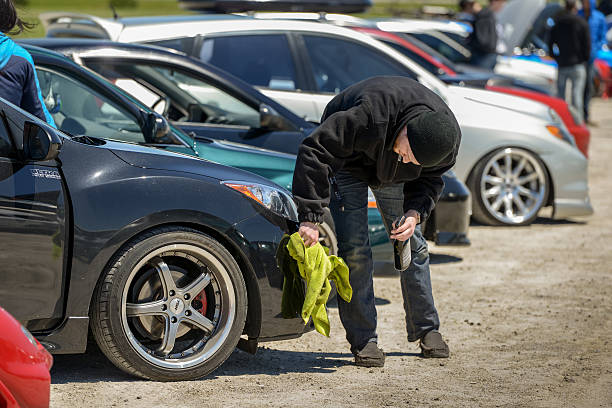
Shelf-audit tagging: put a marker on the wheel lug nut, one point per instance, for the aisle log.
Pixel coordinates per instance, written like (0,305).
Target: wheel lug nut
(186,296)
(171,293)
(187,313)
(173,320)
(164,307)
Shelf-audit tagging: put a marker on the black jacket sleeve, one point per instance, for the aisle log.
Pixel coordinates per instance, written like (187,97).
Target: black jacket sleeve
(423,193)
(322,154)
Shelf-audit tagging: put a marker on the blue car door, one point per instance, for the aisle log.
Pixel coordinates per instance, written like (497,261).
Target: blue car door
(32,229)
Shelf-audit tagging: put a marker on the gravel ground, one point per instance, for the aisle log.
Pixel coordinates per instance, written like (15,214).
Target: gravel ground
(526,312)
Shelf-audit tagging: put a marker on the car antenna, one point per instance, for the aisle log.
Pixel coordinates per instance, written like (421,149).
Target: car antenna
(115,15)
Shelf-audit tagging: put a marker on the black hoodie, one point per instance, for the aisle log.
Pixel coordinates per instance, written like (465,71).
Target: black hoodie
(483,39)
(357,134)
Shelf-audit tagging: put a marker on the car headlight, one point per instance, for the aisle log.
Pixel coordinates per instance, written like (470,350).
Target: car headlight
(561,132)
(274,199)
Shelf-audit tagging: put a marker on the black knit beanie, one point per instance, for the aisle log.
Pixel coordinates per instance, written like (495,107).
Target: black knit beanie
(432,137)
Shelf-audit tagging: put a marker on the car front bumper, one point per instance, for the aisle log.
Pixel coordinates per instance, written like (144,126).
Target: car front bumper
(568,169)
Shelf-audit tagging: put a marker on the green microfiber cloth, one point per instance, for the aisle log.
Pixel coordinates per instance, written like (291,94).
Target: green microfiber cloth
(316,267)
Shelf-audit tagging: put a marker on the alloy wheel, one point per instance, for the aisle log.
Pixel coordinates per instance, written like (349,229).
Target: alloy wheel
(178,306)
(513,186)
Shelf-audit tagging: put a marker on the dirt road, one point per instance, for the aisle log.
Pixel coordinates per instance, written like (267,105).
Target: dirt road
(526,311)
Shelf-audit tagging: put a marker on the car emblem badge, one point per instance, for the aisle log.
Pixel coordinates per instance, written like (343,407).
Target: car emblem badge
(177,306)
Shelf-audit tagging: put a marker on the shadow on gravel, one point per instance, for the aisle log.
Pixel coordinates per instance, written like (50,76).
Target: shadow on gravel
(269,361)
(550,221)
(537,221)
(92,366)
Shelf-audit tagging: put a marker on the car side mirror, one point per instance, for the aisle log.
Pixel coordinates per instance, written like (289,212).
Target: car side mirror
(270,120)
(155,127)
(39,144)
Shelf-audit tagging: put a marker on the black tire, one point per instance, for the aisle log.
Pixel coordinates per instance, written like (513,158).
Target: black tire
(510,185)
(197,322)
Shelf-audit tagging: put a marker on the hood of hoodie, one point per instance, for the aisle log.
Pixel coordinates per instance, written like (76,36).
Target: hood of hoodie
(391,110)
(7,47)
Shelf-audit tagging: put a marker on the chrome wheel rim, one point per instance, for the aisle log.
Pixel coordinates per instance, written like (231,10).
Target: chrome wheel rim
(513,186)
(188,291)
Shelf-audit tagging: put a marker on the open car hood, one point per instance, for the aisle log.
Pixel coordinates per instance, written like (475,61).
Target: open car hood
(517,19)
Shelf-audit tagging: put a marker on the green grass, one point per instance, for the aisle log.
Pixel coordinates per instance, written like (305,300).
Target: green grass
(100,8)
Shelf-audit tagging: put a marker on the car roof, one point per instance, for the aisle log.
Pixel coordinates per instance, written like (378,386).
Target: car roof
(229,6)
(334,18)
(138,29)
(414,25)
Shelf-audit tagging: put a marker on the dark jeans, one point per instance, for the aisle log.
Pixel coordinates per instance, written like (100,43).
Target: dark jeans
(351,220)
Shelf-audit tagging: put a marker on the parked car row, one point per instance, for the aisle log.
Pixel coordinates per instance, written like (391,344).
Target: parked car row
(152,214)
(302,64)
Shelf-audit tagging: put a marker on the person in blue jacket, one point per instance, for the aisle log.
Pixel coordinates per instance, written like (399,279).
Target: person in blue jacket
(597,26)
(18,80)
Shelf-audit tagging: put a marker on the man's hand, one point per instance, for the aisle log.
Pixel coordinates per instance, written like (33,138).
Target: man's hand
(404,232)
(309,233)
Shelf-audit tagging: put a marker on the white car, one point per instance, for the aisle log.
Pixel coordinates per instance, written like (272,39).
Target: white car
(516,155)
(448,38)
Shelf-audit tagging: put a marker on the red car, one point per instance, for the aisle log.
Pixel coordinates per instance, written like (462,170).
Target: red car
(24,366)
(436,66)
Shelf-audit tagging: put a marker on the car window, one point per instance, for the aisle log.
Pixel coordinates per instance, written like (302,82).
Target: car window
(260,60)
(79,110)
(443,48)
(414,57)
(338,64)
(6,145)
(184,44)
(177,94)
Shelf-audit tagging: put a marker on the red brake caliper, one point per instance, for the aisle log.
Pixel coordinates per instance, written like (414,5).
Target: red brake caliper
(202,299)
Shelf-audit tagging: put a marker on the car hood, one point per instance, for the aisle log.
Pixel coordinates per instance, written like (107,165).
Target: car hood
(505,101)
(517,19)
(154,158)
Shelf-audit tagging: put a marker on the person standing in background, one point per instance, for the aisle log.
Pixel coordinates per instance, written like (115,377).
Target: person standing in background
(483,41)
(570,38)
(597,26)
(18,80)
(467,10)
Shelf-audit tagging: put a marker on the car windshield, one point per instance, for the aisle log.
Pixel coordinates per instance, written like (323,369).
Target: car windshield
(79,110)
(432,53)
(178,95)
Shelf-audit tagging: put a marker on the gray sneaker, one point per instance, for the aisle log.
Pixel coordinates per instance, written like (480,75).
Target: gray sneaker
(370,356)
(433,346)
